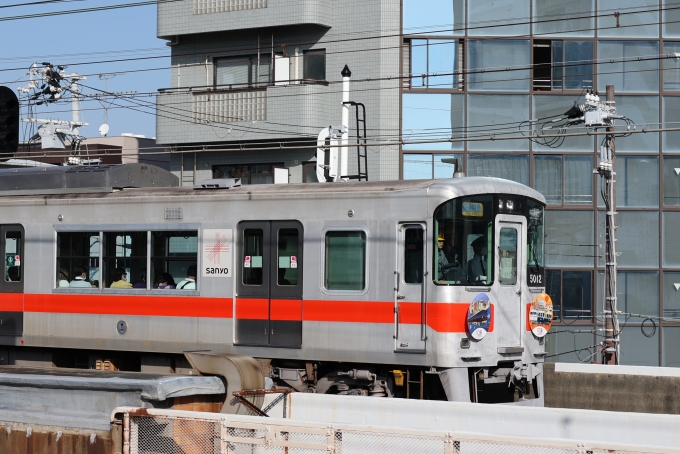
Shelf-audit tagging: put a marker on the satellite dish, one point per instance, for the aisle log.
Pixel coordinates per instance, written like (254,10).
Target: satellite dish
(104,130)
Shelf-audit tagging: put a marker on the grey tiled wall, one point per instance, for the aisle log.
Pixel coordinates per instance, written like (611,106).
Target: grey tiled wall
(360,33)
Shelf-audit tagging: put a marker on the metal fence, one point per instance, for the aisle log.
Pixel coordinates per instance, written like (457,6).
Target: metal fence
(150,431)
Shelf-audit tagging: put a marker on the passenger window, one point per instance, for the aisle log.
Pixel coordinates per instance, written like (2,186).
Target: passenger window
(124,259)
(174,256)
(253,251)
(508,256)
(345,260)
(287,256)
(13,255)
(77,259)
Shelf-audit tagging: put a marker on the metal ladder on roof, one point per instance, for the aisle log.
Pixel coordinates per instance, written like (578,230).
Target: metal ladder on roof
(362,148)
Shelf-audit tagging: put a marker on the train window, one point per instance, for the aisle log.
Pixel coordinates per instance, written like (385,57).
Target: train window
(253,251)
(413,255)
(508,256)
(345,260)
(124,259)
(464,237)
(173,258)
(77,259)
(287,256)
(13,255)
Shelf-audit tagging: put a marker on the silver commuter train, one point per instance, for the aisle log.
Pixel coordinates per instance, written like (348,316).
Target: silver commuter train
(367,288)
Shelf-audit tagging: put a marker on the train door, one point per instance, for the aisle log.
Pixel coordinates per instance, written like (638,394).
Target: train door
(269,289)
(409,289)
(12,280)
(509,271)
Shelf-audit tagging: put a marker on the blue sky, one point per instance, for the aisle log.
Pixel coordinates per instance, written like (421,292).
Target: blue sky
(81,40)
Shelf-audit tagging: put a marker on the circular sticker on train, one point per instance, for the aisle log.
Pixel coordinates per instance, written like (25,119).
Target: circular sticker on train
(541,315)
(479,316)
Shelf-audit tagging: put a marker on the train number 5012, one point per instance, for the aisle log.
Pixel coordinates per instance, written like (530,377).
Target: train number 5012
(535,279)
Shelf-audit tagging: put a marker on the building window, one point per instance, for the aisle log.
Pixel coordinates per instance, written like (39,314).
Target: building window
(637,182)
(248,173)
(345,260)
(425,166)
(562,65)
(433,116)
(419,20)
(643,110)
(499,54)
(314,65)
(671,17)
(548,107)
(671,114)
(671,181)
(564,18)
(638,19)
(574,186)
(569,238)
(309,173)
(243,72)
(498,114)
(571,293)
(510,167)
(436,63)
(498,18)
(671,66)
(637,238)
(671,297)
(638,294)
(671,240)
(626,72)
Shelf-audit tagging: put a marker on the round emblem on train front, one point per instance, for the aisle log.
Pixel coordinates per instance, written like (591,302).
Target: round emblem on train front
(540,315)
(479,317)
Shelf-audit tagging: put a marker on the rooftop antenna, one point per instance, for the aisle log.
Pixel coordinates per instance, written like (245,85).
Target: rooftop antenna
(47,85)
(104,128)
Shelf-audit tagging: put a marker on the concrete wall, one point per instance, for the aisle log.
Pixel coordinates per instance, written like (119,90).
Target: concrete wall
(612,388)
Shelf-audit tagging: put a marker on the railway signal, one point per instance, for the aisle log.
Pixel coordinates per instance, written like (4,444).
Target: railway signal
(9,122)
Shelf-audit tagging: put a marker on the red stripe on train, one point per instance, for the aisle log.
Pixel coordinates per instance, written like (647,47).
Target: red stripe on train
(442,317)
(171,306)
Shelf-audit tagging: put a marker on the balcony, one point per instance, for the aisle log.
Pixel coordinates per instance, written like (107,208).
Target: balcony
(265,113)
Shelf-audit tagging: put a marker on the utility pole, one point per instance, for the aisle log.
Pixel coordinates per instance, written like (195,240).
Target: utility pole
(606,169)
(597,115)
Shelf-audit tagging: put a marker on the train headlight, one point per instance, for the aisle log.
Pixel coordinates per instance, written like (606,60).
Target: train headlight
(500,204)
(510,205)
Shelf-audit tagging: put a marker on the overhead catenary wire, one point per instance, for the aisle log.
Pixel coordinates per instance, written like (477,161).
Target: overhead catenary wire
(398,33)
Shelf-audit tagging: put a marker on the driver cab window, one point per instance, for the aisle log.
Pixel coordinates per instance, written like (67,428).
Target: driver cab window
(464,237)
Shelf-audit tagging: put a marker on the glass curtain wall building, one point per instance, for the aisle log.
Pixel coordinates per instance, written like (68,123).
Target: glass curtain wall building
(482,67)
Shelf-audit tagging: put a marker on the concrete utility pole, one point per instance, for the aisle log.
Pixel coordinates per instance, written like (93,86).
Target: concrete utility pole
(606,169)
(596,115)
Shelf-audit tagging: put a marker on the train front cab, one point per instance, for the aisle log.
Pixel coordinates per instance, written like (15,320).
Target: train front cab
(487,271)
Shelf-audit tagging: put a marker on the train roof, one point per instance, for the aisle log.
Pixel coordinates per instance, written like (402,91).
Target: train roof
(138,180)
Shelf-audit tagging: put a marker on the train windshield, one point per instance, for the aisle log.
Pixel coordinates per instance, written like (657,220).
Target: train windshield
(464,236)
(535,245)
